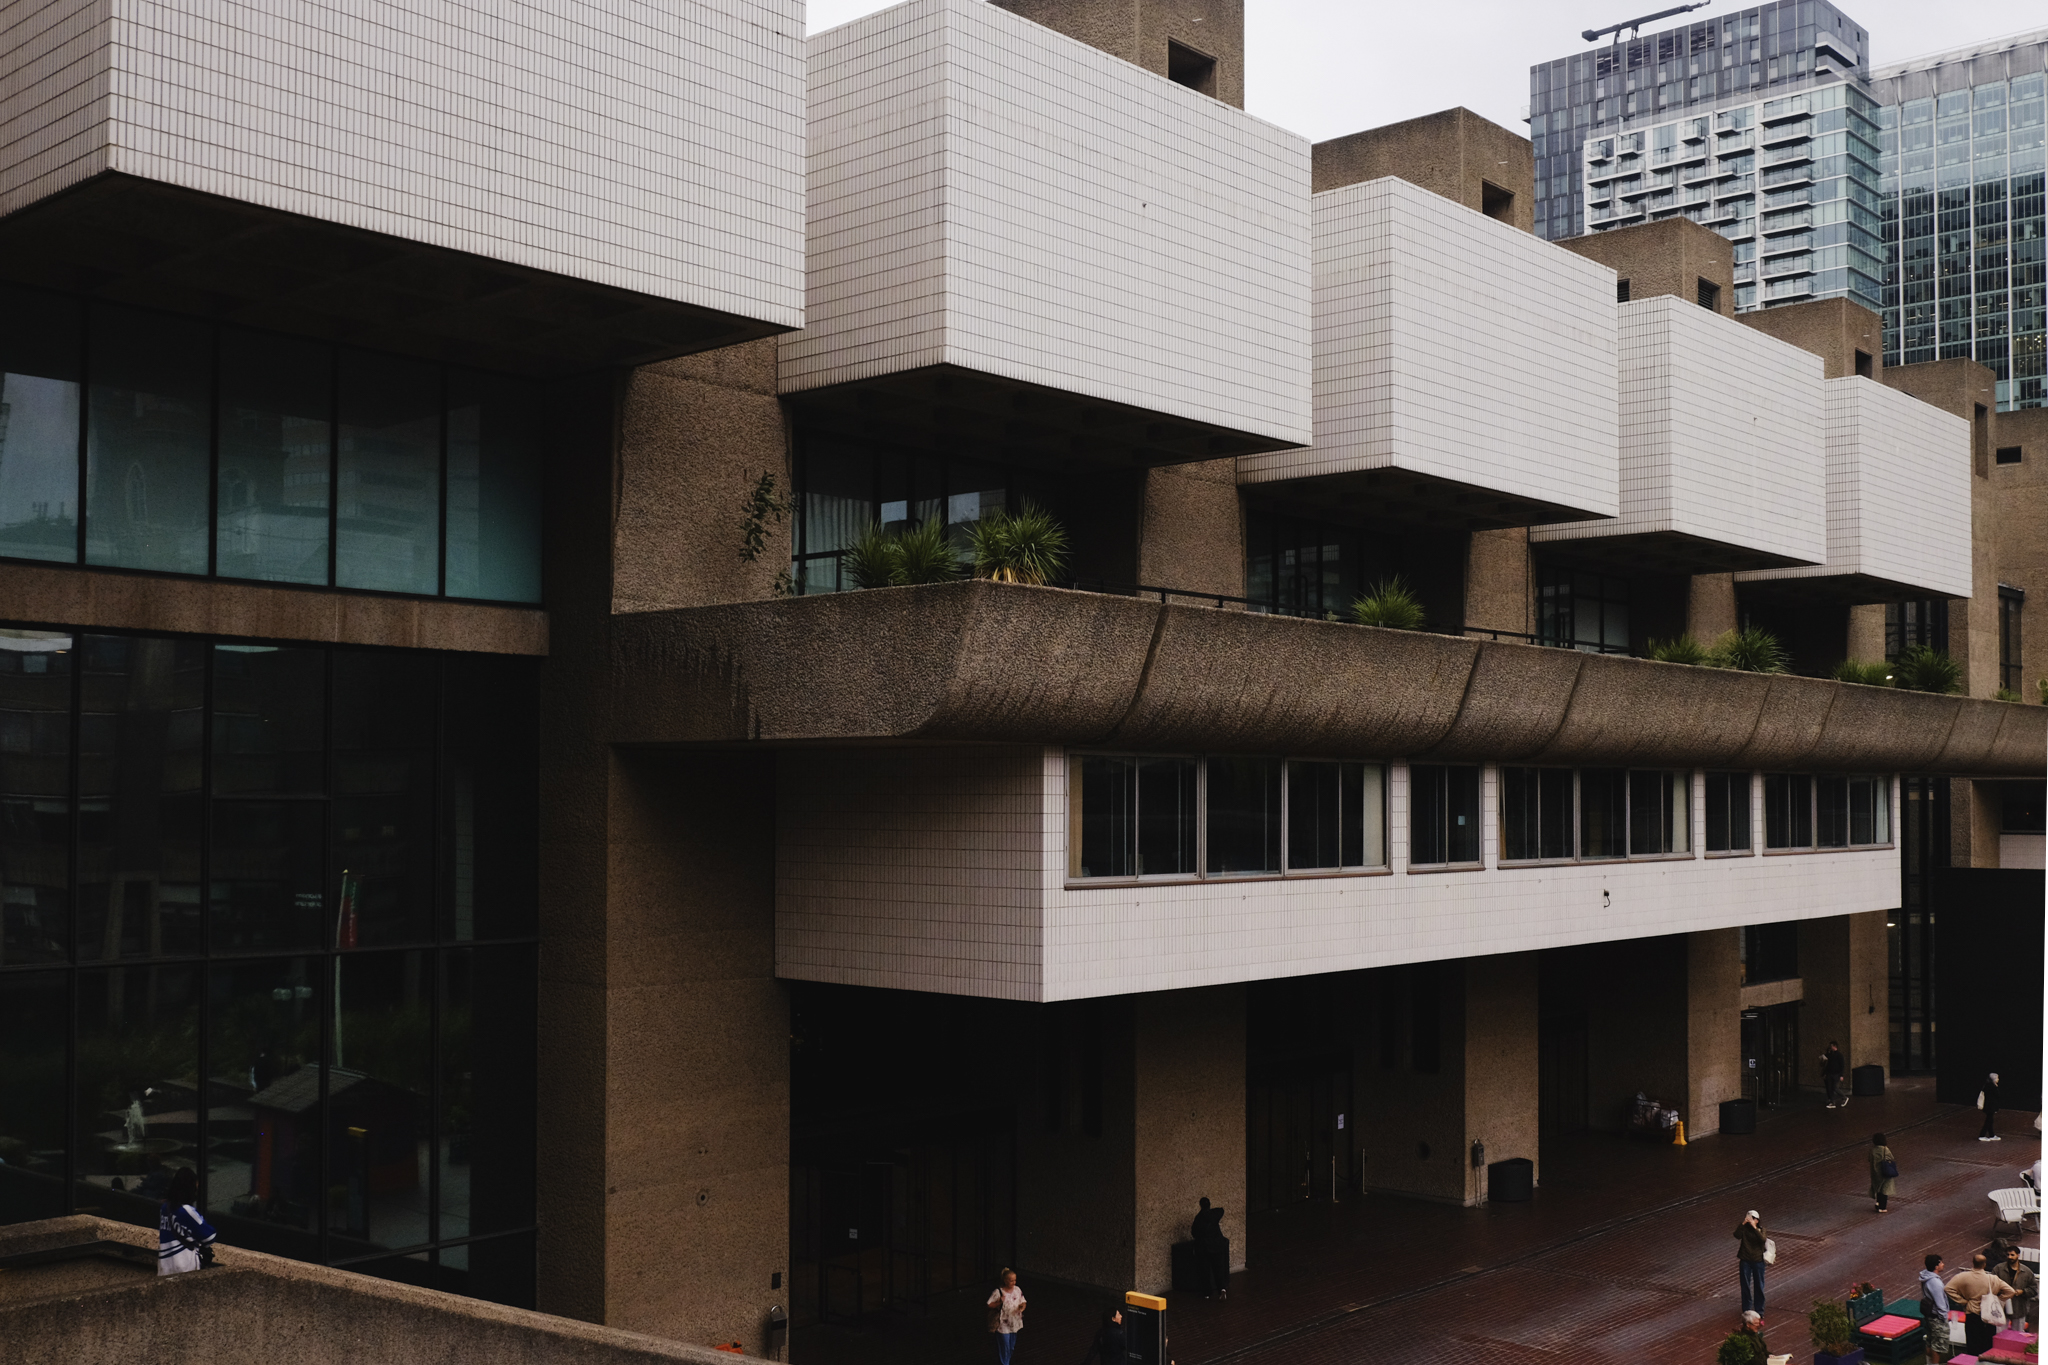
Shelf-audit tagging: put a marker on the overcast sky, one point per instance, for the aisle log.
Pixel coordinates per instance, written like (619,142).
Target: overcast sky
(1328,67)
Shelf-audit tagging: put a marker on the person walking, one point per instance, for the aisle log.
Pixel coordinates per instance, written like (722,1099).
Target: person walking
(184,1239)
(1212,1250)
(1108,1346)
(1833,1066)
(1968,1291)
(1750,1248)
(1934,1309)
(2020,1276)
(1884,1174)
(1006,1315)
(1987,1100)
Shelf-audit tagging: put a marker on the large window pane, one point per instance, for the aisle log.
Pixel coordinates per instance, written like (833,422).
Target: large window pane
(136,1109)
(488,1046)
(1244,815)
(501,1270)
(1603,813)
(148,440)
(381,1064)
(35,797)
(40,346)
(1536,813)
(269,721)
(388,516)
(490,797)
(1727,812)
(1102,798)
(1443,814)
(140,809)
(838,504)
(494,434)
(1788,811)
(1315,816)
(35,1015)
(1831,812)
(1660,812)
(263,1154)
(275,404)
(1365,791)
(267,882)
(1166,817)
(384,708)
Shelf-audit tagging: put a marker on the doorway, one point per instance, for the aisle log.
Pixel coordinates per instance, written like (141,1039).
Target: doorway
(1770,1054)
(1563,1074)
(1297,1133)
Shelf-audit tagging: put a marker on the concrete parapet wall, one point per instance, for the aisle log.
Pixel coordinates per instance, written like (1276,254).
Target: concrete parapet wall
(254,1309)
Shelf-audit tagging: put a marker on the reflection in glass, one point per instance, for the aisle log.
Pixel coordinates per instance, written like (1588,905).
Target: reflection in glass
(1244,815)
(35,797)
(490,798)
(1870,810)
(494,432)
(140,812)
(384,708)
(1535,813)
(388,533)
(1659,812)
(274,452)
(838,504)
(148,431)
(136,1108)
(1603,813)
(263,1154)
(269,720)
(381,1060)
(34,1015)
(1131,816)
(266,882)
(1443,820)
(40,341)
(488,1046)
(1727,812)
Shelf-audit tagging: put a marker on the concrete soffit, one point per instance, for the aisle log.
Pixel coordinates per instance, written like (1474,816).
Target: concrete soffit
(979,662)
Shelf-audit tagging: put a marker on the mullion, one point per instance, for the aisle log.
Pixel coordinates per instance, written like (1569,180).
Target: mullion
(84,421)
(330,961)
(70,1201)
(206,694)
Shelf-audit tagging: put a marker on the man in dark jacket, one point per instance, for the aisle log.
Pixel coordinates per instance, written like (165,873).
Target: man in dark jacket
(1987,1100)
(1832,1067)
(1212,1249)
(1749,1261)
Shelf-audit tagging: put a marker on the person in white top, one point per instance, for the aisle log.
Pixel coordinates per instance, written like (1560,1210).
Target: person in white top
(1006,1315)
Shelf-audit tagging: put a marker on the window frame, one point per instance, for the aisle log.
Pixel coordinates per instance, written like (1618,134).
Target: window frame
(1750,803)
(1884,788)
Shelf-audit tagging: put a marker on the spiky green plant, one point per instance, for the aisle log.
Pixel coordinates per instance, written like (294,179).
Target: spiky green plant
(870,562)
(1029,547)
(924,554)
(1749,650)
(1870,675)
(1389,603)
(2005,694)
(1682,650)
(1922,668)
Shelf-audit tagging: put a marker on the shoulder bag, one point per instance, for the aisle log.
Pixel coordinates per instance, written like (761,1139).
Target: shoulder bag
(1980,1099)
(1991,1309)
(1770,1252)
(995,1313)
(1888,1168)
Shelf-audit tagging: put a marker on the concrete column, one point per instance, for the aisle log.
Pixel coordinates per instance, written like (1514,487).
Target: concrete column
(1499,594)
(1845,969)
(1866,633)
(1710,609)
(1192,531)
(1713,968)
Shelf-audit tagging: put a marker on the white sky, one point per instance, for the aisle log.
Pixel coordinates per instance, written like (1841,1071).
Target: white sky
(1324,68)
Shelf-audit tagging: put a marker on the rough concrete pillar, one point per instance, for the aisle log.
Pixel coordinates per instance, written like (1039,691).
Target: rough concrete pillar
(1192,531)
(1498,590)
(1866,633)
(1974,821)
(1501,1100)
(1844,971)
(1713,968)
(1710,609)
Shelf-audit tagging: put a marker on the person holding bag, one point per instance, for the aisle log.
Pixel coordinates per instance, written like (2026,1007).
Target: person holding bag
(1006,1315)
(1753,1251)
(1982,1297)
(1884,1173)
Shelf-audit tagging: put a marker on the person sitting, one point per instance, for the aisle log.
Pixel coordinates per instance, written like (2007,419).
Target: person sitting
(1212,1250)
(184,1237)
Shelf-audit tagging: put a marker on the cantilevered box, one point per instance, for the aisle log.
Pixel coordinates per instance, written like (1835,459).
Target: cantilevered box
(1464,371)
(1017,240)
(1722,465)
(531,184)
(1898,501)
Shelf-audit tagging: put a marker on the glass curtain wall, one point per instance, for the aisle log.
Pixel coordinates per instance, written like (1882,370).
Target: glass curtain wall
(210,450)
(269,917)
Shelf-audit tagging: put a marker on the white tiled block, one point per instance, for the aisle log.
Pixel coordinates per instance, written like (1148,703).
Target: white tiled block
(985,192)
(654,147)
(1898,492)
(1451,345)
(1721,435)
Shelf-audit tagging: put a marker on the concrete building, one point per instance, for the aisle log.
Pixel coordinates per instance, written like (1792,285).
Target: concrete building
(457,802)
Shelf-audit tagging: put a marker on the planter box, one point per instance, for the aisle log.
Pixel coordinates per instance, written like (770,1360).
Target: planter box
(1854,1357)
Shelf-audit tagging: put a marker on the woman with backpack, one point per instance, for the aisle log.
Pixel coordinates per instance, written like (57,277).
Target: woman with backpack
(1884,1173)
(184,1239)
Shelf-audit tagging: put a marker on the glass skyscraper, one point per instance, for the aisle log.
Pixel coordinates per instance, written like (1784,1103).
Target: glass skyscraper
(1962,161)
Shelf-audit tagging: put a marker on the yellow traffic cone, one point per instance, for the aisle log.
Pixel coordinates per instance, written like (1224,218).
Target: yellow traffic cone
(1678,1138)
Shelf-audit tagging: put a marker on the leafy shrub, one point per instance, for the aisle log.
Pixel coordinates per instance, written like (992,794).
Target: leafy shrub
(1028,548)
(925,554)
(1683,650)
(1829,1325)
(2005,694)
(1738,1348)
(1870,675)
(1388,603)
(2042,685)
(1749,650)
(1925,669)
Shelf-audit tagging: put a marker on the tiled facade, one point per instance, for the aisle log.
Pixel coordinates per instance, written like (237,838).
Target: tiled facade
(653,149)
(987,193)
(1898,492)
(1455,347)
(1721,437)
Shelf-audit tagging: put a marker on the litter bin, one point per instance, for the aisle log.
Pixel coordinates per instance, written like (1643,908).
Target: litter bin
(1738,1116)
(1512,1181)
(1867,1081)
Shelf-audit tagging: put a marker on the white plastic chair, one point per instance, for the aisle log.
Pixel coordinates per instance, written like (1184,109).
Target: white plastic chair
(2015,1205)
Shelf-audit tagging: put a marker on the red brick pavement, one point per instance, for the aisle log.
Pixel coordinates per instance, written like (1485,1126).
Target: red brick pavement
(1625,1254)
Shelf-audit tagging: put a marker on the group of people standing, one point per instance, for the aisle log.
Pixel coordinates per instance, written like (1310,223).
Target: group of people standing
(2009,1285)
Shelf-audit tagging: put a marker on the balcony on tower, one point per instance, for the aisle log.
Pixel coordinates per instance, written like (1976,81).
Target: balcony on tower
(1027,248)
